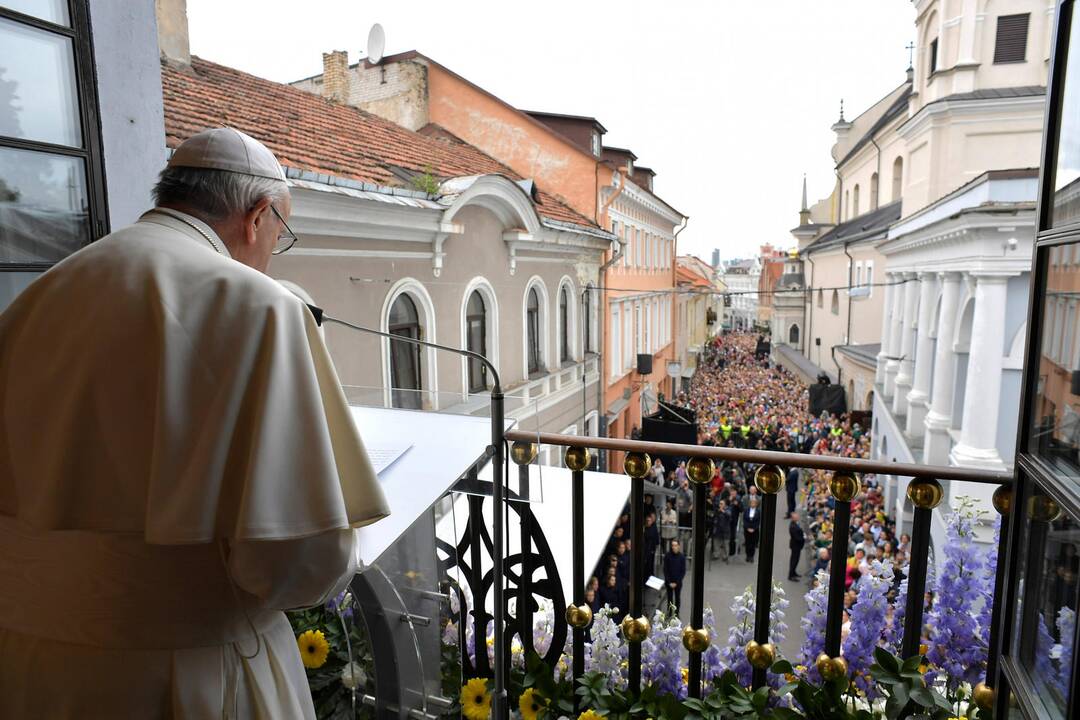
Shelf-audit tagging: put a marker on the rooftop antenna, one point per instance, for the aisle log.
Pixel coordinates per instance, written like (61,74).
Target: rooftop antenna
(376,45)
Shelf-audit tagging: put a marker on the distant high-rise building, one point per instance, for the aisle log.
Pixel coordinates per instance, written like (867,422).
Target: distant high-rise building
(716,257)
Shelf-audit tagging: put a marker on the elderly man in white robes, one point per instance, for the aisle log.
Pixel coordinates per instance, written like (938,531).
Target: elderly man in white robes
(177,461)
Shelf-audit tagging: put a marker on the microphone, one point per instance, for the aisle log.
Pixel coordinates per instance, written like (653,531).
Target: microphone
(498,492)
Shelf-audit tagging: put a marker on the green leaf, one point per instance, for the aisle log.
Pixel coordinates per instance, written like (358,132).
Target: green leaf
(782,667)
(886,659)
(912,663)
(922,696)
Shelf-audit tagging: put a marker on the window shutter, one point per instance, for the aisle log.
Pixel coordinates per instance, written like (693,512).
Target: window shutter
(1012,33)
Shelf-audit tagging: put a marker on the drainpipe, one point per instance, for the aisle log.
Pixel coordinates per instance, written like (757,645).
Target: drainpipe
(851,262)
(810,322)
(674,269)
(620,246)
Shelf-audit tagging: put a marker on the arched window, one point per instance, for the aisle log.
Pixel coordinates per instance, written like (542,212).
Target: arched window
(873,192)
(835,306)
(793,335)
(897,178)
(564,325)
(532,328)
(847,206)
(855,202)
(476,340)
(405,370)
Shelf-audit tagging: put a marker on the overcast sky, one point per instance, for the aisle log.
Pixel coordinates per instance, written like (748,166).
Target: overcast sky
(729,102)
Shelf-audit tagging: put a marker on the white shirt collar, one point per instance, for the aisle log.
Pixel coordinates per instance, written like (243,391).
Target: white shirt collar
(200,230)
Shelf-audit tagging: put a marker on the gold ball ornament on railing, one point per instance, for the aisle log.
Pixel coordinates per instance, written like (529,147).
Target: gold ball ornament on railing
(925,493)
(695,639)
(822,663)
(759,655)
(769,479)
(831,669)
(1002,499)
(700,470)
(523,453)
(983,696)
(635,629)
(1043,508)
(844,485)
(579,616)
(637,464)
(577,458)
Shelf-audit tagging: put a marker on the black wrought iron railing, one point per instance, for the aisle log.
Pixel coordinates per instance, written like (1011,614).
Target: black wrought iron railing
(924,491)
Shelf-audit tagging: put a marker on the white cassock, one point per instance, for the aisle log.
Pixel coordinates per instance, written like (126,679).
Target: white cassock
(177,465)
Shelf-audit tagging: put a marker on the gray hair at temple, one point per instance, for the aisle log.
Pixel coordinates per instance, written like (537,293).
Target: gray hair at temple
(218,194)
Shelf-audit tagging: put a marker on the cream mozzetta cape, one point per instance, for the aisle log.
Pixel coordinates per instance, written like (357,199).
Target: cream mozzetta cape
(149,384)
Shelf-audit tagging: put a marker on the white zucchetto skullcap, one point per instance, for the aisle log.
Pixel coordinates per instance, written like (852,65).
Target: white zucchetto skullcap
(230,150)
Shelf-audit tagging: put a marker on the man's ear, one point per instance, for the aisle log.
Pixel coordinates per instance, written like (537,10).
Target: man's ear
(254,218)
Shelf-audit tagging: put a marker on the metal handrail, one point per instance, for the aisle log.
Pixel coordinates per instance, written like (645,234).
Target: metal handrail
(767,457)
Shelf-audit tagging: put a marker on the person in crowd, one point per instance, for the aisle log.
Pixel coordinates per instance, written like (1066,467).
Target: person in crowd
(798,540)
(651,541)
(821,563)
(657,472)
(792,487)
(684,503)
(674,572)
(669,523)
(721,530)
(751,528)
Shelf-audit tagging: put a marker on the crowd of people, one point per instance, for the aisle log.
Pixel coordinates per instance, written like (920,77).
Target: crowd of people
(741,398)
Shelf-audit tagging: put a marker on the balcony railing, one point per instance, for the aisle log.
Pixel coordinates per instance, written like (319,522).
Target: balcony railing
(925,493)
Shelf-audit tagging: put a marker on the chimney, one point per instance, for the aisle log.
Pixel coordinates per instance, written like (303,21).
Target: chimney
(172,31)
(336,76)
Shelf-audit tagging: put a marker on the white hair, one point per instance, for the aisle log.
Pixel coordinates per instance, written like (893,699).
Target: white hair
(216,193)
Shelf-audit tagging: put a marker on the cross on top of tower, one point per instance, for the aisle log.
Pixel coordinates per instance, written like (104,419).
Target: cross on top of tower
(910,47)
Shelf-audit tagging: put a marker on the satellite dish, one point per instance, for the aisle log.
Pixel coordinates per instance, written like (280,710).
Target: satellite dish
(376,44)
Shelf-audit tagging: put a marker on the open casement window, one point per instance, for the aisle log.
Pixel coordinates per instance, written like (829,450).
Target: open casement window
(1042,585)
(405,370)
(532,328)
(52,184)
(476,327)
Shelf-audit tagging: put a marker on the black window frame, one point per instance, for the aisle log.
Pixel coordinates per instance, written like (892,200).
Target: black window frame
(1010,45)
(405,396)
(91,152)
(1033,472)
(932,58)
(533,332)
(477,371)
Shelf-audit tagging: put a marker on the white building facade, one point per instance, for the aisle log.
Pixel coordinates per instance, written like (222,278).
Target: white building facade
(741,279)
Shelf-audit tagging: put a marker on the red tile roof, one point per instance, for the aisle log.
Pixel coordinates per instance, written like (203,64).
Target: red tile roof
(309,132)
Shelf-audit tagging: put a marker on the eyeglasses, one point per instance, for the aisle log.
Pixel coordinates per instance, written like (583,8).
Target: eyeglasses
(286,239)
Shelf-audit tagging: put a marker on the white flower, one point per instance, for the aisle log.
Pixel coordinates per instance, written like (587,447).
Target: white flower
(353,676)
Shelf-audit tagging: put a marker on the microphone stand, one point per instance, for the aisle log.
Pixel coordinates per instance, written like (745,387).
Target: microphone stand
(499,705)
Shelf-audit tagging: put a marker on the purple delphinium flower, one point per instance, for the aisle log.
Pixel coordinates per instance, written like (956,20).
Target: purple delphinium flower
(777,627)
(739,634)
(661,656)
(543,627)
(954,642)
(607,652)
(342,604)
(1044,644)
(712,665)
(813,626)
(1066,626)
(867,625)
(894,631)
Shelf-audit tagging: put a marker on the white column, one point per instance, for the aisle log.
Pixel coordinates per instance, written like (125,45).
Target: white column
(982,395)
(883,352)
(937,443)
(919,397)
(895,324)
(907,345)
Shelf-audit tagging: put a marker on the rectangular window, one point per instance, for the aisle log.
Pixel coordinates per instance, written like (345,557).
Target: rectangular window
(869,277)
(637,329)
(858,275)
(628,336)
(615,352)
(932,64)
(1012,34)
(1065,208)
(51,175)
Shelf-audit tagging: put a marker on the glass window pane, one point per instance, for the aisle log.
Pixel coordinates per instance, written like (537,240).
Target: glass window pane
(43,206)
(54,11)
(38,98)
(1048,589)
(1066,202)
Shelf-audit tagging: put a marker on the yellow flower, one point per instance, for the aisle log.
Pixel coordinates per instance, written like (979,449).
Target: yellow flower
(589,715)
(685,676)
(531,705)
(313,648)
(475,700)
